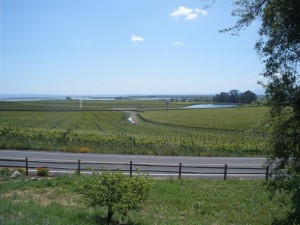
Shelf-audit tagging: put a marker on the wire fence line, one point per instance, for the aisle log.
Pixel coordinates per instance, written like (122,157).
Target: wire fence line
(159,170)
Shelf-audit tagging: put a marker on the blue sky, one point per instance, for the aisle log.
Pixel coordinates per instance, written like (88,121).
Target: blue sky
(119,47)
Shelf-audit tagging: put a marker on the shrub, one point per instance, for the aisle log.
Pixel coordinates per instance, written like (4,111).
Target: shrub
(42,171)
(5,172)
(84,149)
(115,191)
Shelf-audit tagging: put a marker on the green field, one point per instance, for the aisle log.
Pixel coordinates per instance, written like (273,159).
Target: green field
(54,201)
(237,119)
(89,104)
(195,132)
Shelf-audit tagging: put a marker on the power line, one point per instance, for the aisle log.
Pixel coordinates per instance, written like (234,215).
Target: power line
(126,50)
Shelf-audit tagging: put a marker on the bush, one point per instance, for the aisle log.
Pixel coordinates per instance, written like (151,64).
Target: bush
(84,149)
(42,171)
(5,172)
(115,191)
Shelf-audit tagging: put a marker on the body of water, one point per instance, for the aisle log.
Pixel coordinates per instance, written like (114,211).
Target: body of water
(210,106)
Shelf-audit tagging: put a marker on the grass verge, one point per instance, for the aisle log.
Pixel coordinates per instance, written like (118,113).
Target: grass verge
(55,201)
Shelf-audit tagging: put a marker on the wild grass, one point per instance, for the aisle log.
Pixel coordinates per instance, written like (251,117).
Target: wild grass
(171,202)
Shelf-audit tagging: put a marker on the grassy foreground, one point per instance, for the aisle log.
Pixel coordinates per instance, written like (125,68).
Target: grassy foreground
(54,201)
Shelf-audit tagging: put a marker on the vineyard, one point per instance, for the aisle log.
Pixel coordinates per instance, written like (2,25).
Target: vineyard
(76,104)
(209,132)
(237,119)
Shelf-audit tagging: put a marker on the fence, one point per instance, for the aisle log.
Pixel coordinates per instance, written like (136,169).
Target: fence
(157,170)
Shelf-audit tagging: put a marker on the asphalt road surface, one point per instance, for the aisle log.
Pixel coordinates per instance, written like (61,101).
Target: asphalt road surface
(157,166)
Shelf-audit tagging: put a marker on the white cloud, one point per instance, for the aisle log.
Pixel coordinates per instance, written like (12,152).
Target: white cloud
(188,13)
(191,16)
(177,43)
(135,38)
(201,11)
(182,11)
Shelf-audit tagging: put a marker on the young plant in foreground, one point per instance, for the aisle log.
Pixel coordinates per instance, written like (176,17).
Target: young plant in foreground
(115,191)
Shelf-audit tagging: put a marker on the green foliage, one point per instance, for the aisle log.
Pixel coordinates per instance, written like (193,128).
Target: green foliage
(115,191)
(212,132)
(57,105)
(237,119)
(279,48)
(234,96)
(285,158)
(191,201)
(5,172)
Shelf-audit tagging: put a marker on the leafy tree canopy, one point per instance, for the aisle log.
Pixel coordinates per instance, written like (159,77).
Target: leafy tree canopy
(115,191)
(234,96)
(278,46)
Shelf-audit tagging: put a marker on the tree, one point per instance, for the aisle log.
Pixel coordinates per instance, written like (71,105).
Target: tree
(167,104)
(222,97)
(247,97)
(115,191)
(278,46)
(234,96)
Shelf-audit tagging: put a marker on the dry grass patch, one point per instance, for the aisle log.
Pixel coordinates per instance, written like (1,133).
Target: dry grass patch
(43,196)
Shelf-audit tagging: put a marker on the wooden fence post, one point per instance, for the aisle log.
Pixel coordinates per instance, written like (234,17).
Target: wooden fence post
(26,165)
(180,170)
(267,173)
(130,169)
(225,172)
(78,167)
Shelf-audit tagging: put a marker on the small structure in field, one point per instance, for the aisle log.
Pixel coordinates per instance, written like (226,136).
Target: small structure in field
(130,120)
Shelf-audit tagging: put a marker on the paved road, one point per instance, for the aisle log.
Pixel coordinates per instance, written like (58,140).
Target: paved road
(122,162)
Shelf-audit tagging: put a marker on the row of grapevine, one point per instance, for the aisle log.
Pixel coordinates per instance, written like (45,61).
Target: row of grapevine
(110,132)
(241,119)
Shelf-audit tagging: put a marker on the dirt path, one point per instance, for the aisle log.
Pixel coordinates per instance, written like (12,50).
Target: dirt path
(133,116)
